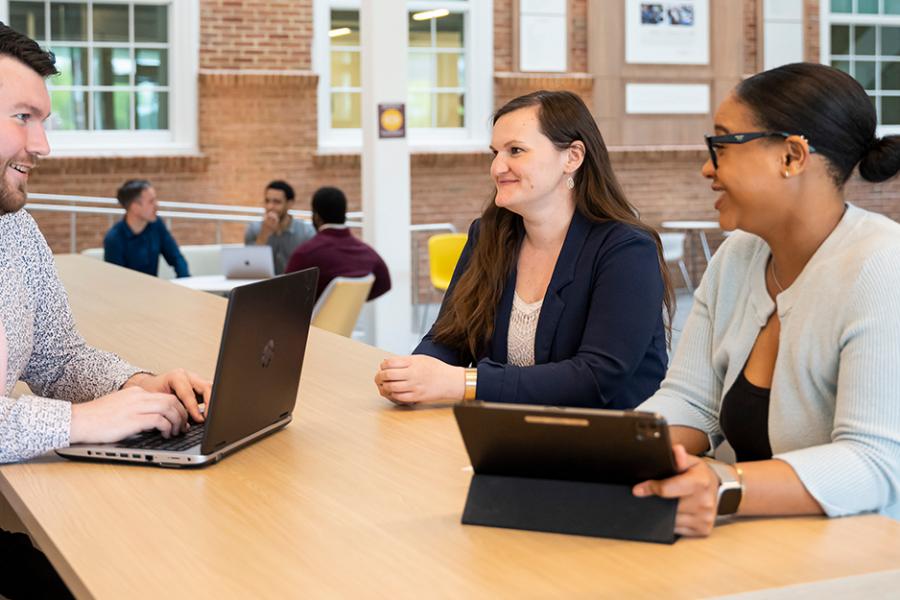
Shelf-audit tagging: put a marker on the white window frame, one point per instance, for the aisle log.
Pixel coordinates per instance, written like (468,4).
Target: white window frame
(828,18)
(181,136)
(479,95)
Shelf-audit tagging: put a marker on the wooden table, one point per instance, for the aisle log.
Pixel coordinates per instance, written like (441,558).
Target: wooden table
(355,498)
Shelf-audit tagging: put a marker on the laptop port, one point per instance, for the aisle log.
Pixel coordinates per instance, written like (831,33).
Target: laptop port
(138,456)
(113,454)
(123,454)
(148,458)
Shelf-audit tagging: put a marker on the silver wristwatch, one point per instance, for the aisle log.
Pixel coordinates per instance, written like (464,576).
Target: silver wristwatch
(731,488)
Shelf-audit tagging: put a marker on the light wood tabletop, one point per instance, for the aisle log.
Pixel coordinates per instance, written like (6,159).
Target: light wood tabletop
(356,498)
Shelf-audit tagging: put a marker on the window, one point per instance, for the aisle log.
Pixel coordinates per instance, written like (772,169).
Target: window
(449,69)
(120,87)
(862,38)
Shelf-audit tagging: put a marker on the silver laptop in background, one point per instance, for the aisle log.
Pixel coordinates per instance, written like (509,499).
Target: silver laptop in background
(256,382)
(248,262)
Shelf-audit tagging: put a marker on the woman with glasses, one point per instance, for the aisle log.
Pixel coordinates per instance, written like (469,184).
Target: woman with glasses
(558,295)
(791,352)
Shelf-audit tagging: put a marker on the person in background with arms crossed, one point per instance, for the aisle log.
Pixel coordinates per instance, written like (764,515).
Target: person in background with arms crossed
(78,393)
(278,228)
(136,241)
(335,250)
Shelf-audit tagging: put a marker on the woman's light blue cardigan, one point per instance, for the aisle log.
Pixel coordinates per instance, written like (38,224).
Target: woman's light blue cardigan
(834,412)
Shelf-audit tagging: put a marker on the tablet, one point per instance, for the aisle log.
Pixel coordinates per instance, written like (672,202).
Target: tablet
(608,446)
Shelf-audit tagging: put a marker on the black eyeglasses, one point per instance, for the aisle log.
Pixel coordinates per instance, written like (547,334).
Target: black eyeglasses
(742,138)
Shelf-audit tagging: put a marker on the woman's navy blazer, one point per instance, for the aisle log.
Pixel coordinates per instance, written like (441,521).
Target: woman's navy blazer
(600,339)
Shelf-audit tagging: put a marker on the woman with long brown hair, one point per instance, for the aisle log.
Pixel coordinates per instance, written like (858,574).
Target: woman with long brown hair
(558,295)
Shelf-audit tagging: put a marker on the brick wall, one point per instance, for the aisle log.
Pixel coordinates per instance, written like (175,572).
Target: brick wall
(811,36)
(255,34)
(751,36)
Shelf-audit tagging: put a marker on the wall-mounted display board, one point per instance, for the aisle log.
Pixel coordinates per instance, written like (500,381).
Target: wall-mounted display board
(671,32)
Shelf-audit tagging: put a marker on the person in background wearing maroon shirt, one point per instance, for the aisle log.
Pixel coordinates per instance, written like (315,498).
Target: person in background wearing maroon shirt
(335,250)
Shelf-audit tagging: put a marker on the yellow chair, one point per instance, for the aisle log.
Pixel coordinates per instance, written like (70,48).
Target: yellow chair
(443,254)
(337,309)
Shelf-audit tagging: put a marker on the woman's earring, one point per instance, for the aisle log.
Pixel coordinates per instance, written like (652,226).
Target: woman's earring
(570,183)
(787,173)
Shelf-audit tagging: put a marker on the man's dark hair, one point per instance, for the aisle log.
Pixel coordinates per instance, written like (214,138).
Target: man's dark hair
(26,50)
(130,191)
(330,204)
(284,186)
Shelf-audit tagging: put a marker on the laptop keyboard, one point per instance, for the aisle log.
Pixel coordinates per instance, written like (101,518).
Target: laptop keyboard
(153,440)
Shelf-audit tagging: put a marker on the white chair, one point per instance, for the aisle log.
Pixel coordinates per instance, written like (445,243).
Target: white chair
(338,308)
(202,259)
(673,251)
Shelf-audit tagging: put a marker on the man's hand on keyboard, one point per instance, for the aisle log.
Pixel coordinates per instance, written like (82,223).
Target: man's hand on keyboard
(188,387)
(126,412)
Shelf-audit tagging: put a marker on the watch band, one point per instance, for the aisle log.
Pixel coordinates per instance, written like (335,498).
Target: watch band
(731,488)
(471,384)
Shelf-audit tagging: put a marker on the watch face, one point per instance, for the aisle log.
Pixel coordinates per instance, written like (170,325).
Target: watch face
(729,499)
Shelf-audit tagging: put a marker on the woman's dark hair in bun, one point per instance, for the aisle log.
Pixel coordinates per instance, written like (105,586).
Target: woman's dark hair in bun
(831,109)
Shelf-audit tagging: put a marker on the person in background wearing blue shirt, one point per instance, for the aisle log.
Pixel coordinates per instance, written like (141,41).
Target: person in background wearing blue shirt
(136,241)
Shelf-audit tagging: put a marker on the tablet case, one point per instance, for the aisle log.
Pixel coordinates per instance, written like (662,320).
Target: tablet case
(545,497)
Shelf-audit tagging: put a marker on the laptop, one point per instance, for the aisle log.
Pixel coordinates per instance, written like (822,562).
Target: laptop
(255,387)
(248,262)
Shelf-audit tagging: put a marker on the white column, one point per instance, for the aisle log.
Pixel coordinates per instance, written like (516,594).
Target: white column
(385,166)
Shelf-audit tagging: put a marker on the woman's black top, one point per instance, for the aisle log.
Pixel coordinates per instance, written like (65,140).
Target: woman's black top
(744,419)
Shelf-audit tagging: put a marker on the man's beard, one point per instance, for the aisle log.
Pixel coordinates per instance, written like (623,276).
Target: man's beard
(12,197)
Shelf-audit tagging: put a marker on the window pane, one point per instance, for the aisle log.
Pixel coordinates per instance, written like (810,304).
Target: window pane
(890,110)
(345,110)
(342,20)
(345,69)
(112,110)
(869,7)
(449,70)
(27,18)
(68,21)
(450,31)
(420,67)
(152,66)
(840,39)
(70,110)
(72,65)
(865,39)
(449,110)
(892,7)
(419,33)
(841,6)
(890,41)
(111,22)
(151,110)
(843,65)
(419,109)
(151,23)
(865,74)
(112,66)
(890,76)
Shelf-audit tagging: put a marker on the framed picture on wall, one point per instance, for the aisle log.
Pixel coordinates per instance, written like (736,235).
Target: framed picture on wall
(671,32)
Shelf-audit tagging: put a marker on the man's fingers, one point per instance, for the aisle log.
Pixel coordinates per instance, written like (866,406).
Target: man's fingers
(181,385)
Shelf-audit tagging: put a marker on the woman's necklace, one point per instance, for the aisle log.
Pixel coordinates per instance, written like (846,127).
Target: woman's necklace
(775,277)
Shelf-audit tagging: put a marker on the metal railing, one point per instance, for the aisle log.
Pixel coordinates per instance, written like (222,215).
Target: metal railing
(217,213)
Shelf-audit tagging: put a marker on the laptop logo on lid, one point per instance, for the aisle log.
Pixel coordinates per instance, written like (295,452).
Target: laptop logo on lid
(267,354)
